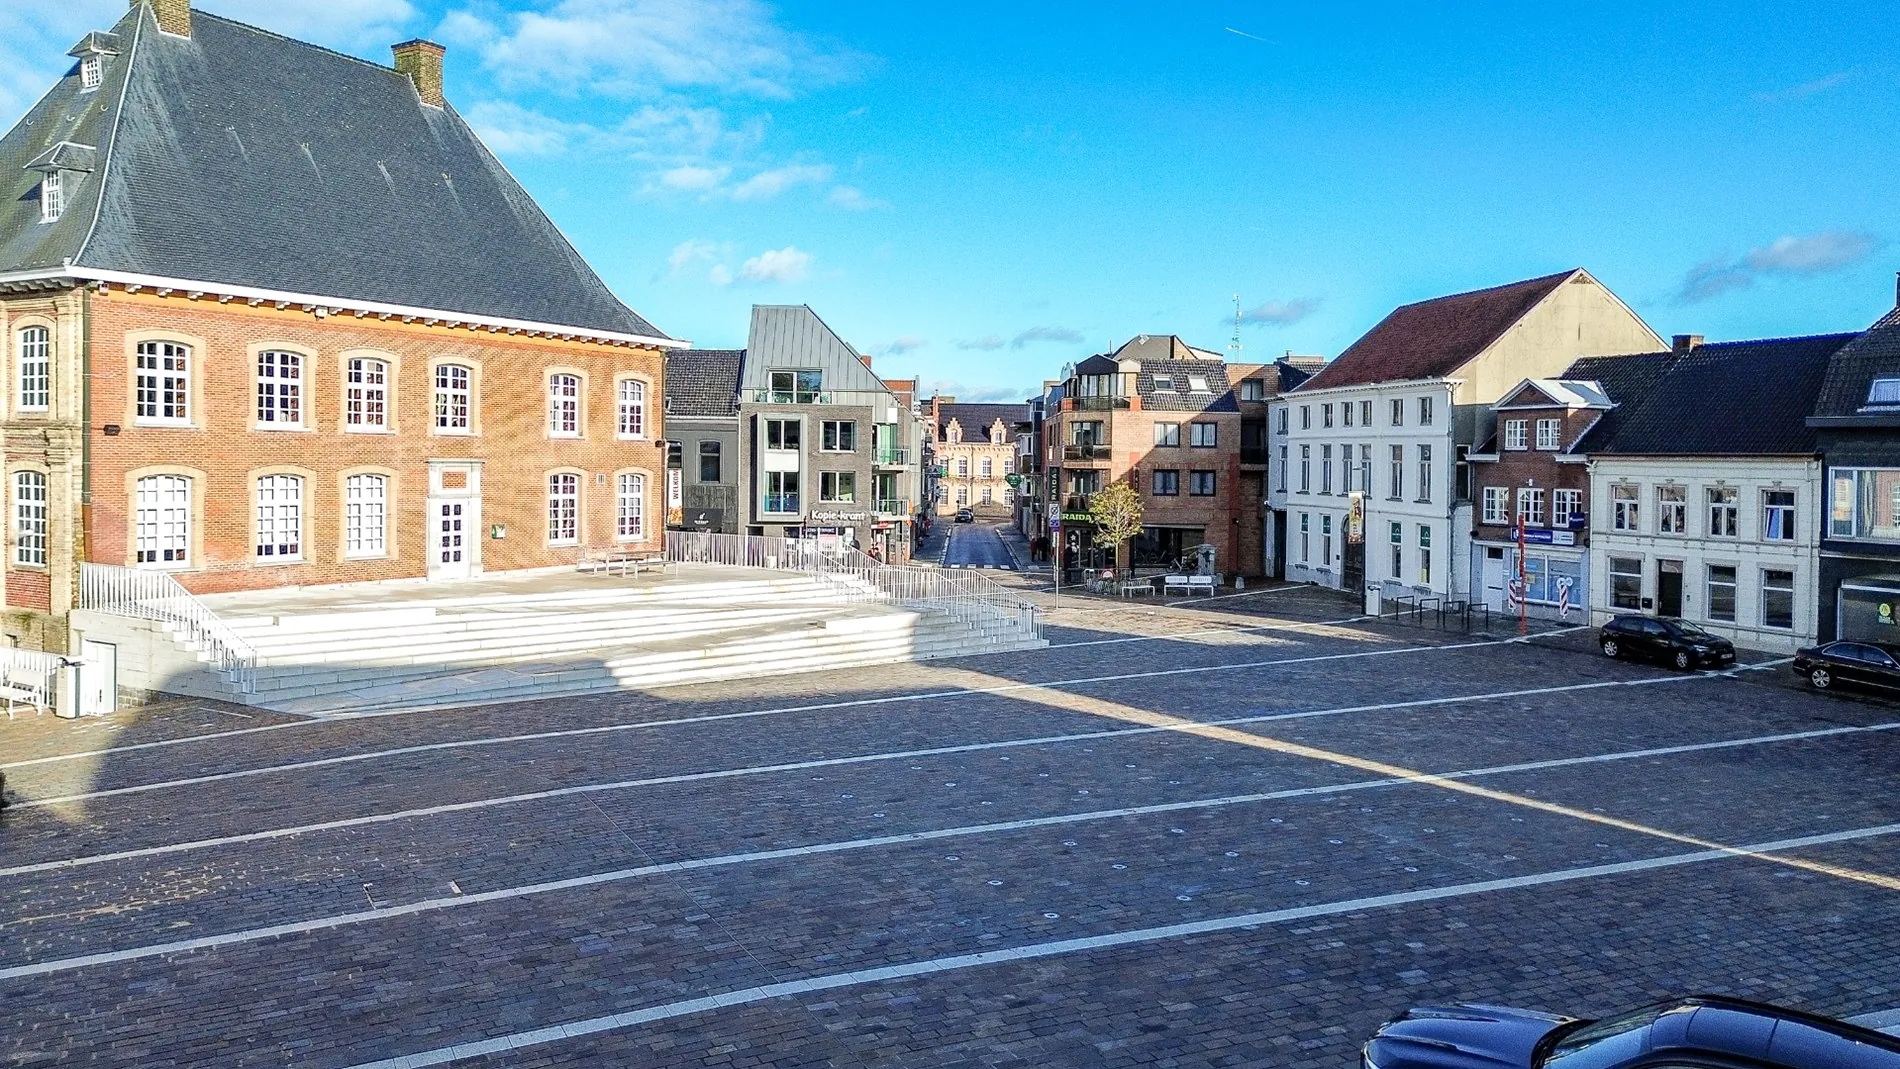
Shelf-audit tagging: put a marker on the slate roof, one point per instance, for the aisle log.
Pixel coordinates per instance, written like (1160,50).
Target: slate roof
(1218,397)
(976,419)
(1745,398)
(703,382)
(1433,338)
(1854,368)
(239,157)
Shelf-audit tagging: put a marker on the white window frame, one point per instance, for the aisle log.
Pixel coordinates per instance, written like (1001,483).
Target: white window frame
(454,398)
(161,518)
(1672,509)
(29,519)
(1398,473)
(91,73)
(365,516)
(630,504)
(564,509)
(1711,585)
(162,384)
(1626,507)
(1547,431)
(1425,479)
(1724,513)
(34,345)
(630,417)
(1794,605)
(1769,511)
(1517,434)
(1306,469)
(1398,411)
(1425,554)
(280,392)
(1494,502)
(1425,411)
(831,436)
(52,196)
(564,405)
(1530,506)
(1326,469)
(831,486)
(365,394)
(278,501)
(1565,503)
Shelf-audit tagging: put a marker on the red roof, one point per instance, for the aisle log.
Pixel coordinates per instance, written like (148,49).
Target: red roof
(1434,338)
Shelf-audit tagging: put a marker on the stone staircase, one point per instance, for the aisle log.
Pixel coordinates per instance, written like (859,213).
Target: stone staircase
(359,654)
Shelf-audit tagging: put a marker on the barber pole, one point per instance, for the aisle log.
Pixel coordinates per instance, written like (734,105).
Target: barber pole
(1563,598)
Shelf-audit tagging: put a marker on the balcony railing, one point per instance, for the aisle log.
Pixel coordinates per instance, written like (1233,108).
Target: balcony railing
(1085,451)
(1075,503)
(780,505)
(789,397)
(1100,404)
(895,456)
(892,506)
(1253,454)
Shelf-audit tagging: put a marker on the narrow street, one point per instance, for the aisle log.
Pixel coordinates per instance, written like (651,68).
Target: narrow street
(976,545)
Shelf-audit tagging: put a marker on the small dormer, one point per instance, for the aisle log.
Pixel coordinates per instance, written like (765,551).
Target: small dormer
(1883,394)
(93,52)
(62,168)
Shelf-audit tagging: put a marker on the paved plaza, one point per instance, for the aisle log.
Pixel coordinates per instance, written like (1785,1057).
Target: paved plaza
(1240,833)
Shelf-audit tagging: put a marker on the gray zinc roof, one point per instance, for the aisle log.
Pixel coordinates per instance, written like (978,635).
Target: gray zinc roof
(239,157)
(703,382)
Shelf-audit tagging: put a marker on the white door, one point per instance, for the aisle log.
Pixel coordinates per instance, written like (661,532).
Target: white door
(1494,582)
(98,678)
(449,534)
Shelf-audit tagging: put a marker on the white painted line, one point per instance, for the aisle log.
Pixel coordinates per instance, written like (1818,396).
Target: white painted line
(374,755)
(1037,951)
(460,899)
(1234,629)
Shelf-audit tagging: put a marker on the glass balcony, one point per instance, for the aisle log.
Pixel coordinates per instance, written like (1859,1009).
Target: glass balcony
(895,456)
(780,505)
(1085,451)
(889,506)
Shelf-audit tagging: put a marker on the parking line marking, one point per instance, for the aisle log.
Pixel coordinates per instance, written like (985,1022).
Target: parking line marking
(460,899)
(324,762)
(1054,948)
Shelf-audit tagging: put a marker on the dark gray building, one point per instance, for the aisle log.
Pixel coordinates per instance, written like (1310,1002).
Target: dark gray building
(702,414)
(1856,424)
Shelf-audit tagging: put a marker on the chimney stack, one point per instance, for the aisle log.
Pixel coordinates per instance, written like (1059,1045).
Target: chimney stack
(1683,343)
(174,16)
(422,62)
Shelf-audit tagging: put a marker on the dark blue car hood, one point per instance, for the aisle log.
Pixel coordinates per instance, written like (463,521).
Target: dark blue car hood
(1462,1037)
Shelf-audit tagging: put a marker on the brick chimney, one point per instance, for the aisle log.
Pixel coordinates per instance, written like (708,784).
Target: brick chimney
(422,62)
(1683,343)
(174,16)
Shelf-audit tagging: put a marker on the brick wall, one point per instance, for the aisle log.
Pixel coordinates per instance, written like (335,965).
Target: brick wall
(224,449)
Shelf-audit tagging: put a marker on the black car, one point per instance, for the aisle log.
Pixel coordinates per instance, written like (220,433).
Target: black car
(965,516)
(1703,1032)
(1674,642)
(1863,664)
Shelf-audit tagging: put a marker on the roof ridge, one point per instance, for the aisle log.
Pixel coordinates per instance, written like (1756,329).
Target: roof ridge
(1522,282)
(197,12)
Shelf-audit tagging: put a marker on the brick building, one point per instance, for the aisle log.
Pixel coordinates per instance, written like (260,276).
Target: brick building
(274,316)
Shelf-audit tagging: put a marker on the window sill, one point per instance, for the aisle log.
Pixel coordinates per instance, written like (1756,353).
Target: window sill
(23,410)
(182,425)
(348,429)
(280,427)
(273,562)
(630,539)
(450,432)
(564,437)
(631,438)
(564,544)
(18,566)
(353,557)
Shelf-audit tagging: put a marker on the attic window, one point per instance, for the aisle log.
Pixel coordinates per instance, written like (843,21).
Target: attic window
(51,200)
(1884,393)
(1164,383)
(90,72)
(1197,383)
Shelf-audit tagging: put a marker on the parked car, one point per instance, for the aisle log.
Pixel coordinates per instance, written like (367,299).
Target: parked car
(1674,642)
(1863,664)
(1706,1032)
(965,516)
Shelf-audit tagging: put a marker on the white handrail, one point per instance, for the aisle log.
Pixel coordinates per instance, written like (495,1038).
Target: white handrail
(857,577)
(146,595)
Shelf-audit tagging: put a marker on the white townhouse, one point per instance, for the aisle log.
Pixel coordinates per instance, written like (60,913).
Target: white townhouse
(1705,492)
(1385,431)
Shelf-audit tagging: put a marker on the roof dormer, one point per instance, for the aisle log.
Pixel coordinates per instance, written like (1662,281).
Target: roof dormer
(92,52)
(62,168)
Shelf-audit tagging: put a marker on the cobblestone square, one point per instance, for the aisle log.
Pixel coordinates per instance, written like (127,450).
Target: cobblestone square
(1238,833)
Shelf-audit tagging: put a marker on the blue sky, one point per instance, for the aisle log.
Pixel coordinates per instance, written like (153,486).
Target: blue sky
(978,192)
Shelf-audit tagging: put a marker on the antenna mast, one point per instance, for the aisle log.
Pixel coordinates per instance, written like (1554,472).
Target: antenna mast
(1234,347)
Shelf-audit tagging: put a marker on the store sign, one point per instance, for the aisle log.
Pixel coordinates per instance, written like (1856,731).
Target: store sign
(1543,536)
(1077,517)
(834,516)
(673,495)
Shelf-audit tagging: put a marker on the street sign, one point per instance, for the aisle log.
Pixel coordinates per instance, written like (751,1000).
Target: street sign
(1055,523)
(1014,480)
(1542,536)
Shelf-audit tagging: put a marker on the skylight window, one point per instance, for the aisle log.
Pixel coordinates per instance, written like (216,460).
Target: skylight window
(51,200)
(1884,392)
(1197,383)
(91,72)
(1164,383)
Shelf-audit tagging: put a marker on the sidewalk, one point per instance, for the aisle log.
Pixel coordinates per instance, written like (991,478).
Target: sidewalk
(1018,546)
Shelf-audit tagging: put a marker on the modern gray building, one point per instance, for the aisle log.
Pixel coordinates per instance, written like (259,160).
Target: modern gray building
(702,415)
(829,451)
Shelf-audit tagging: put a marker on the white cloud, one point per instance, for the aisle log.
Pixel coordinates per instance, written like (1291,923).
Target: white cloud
(641,48)
(851,198)
(988,343)
(1278,313)
(691,177)
(969,394)
(1049,334)
(689,252)
(720,275)
(768,184)
(788,264)
(909,343)
(1816,254)
(1806,89)
(511,130)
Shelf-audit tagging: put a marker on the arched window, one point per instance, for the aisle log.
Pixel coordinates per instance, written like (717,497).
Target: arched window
(564,509)
(366,394)
(631,506)
(632,417)
(163,389)
(279,518)
(279,389)
(564,406)
(366,515)
(36,369)
(29,518)
(162,522)
(454,399)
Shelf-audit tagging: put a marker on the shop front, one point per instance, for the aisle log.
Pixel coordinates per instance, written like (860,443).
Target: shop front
(1868,609)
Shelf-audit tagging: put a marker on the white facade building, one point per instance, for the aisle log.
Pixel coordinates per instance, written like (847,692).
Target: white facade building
(1732,544)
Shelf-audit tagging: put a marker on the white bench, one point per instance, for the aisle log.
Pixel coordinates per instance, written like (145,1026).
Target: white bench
(17,693)
(1188,584)
(624,561)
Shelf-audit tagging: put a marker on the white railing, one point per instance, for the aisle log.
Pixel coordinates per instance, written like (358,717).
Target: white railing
(857,577)
(28,677)
(158,596)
